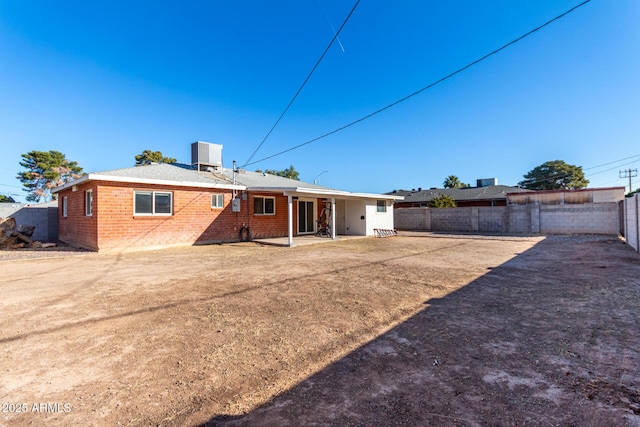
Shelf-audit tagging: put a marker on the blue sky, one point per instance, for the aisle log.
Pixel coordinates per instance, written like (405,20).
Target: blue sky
(103,81)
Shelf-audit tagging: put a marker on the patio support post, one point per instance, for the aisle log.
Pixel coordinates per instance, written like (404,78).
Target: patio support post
(290,218)
(333,218)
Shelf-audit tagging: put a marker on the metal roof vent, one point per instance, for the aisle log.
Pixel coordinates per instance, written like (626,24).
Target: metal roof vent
(206,155)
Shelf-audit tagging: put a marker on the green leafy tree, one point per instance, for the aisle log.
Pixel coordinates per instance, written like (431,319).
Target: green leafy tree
(631,193)
(442,201)
(453,181)
(554,175)
(148,156)
(289,172)
(46,170)
(6,199)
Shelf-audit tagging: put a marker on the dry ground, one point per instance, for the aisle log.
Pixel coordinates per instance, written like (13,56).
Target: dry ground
(398,331)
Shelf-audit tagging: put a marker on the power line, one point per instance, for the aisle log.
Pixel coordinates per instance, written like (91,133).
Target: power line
(609,183)
(629,173)
(335,36)
(615,167)
(610,163)
(10,193)
(562,176)
(7,185)
(429,86)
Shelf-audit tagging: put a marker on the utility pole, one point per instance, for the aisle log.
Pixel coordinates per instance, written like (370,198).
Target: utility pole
(629,173)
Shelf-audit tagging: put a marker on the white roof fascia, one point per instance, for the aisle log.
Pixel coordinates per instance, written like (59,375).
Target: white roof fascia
(376,196)
(69,184)
(294,191)
(98,177)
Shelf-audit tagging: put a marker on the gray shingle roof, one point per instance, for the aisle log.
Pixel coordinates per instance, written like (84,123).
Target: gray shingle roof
(165,172)
(182,174)
(264,180)
(187,175)
(492,192)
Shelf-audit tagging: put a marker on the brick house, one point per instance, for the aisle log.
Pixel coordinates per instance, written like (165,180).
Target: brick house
(161,205)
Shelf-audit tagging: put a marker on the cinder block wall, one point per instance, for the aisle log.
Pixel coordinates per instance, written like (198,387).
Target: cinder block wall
(592,218)
(518,219)
(493,219)
(43,216)
(416,219)
(452,219)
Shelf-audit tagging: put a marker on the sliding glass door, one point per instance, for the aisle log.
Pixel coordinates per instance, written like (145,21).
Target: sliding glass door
(306,217)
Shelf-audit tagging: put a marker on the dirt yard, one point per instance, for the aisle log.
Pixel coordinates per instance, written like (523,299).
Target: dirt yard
(386,332)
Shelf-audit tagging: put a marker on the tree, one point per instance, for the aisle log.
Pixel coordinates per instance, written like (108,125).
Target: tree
(453,181)
(289,172)
(442,201)
(148,156)
(46,170)
(6,199)
(554,175)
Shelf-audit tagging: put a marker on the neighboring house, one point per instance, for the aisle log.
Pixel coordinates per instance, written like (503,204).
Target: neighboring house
(482,195)
(170,204)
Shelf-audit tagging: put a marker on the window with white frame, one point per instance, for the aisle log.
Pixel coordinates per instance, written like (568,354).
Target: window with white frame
(381,206)
(64,206)
(264,205)
(88,203)
(153,203)
(217,200)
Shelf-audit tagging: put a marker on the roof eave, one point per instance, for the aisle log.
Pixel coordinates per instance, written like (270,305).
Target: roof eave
(324,192)
(70,184)
(149,181)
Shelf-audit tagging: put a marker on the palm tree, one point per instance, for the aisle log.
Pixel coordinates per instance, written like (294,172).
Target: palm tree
(453,181)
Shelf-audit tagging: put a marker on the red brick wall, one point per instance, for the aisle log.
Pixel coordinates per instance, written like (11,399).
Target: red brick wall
(193,219)
(76,228)
(262,226)
(114,225)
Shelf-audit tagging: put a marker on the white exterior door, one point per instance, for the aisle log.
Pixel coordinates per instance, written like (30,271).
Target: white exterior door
(356,217)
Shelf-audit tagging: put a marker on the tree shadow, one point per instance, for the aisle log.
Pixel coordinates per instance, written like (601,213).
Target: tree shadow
(547,338)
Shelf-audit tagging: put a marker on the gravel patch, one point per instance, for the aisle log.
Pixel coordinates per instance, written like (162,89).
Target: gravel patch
(36,253)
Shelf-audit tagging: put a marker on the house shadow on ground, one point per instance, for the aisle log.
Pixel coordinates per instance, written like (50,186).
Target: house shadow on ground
(548,338)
